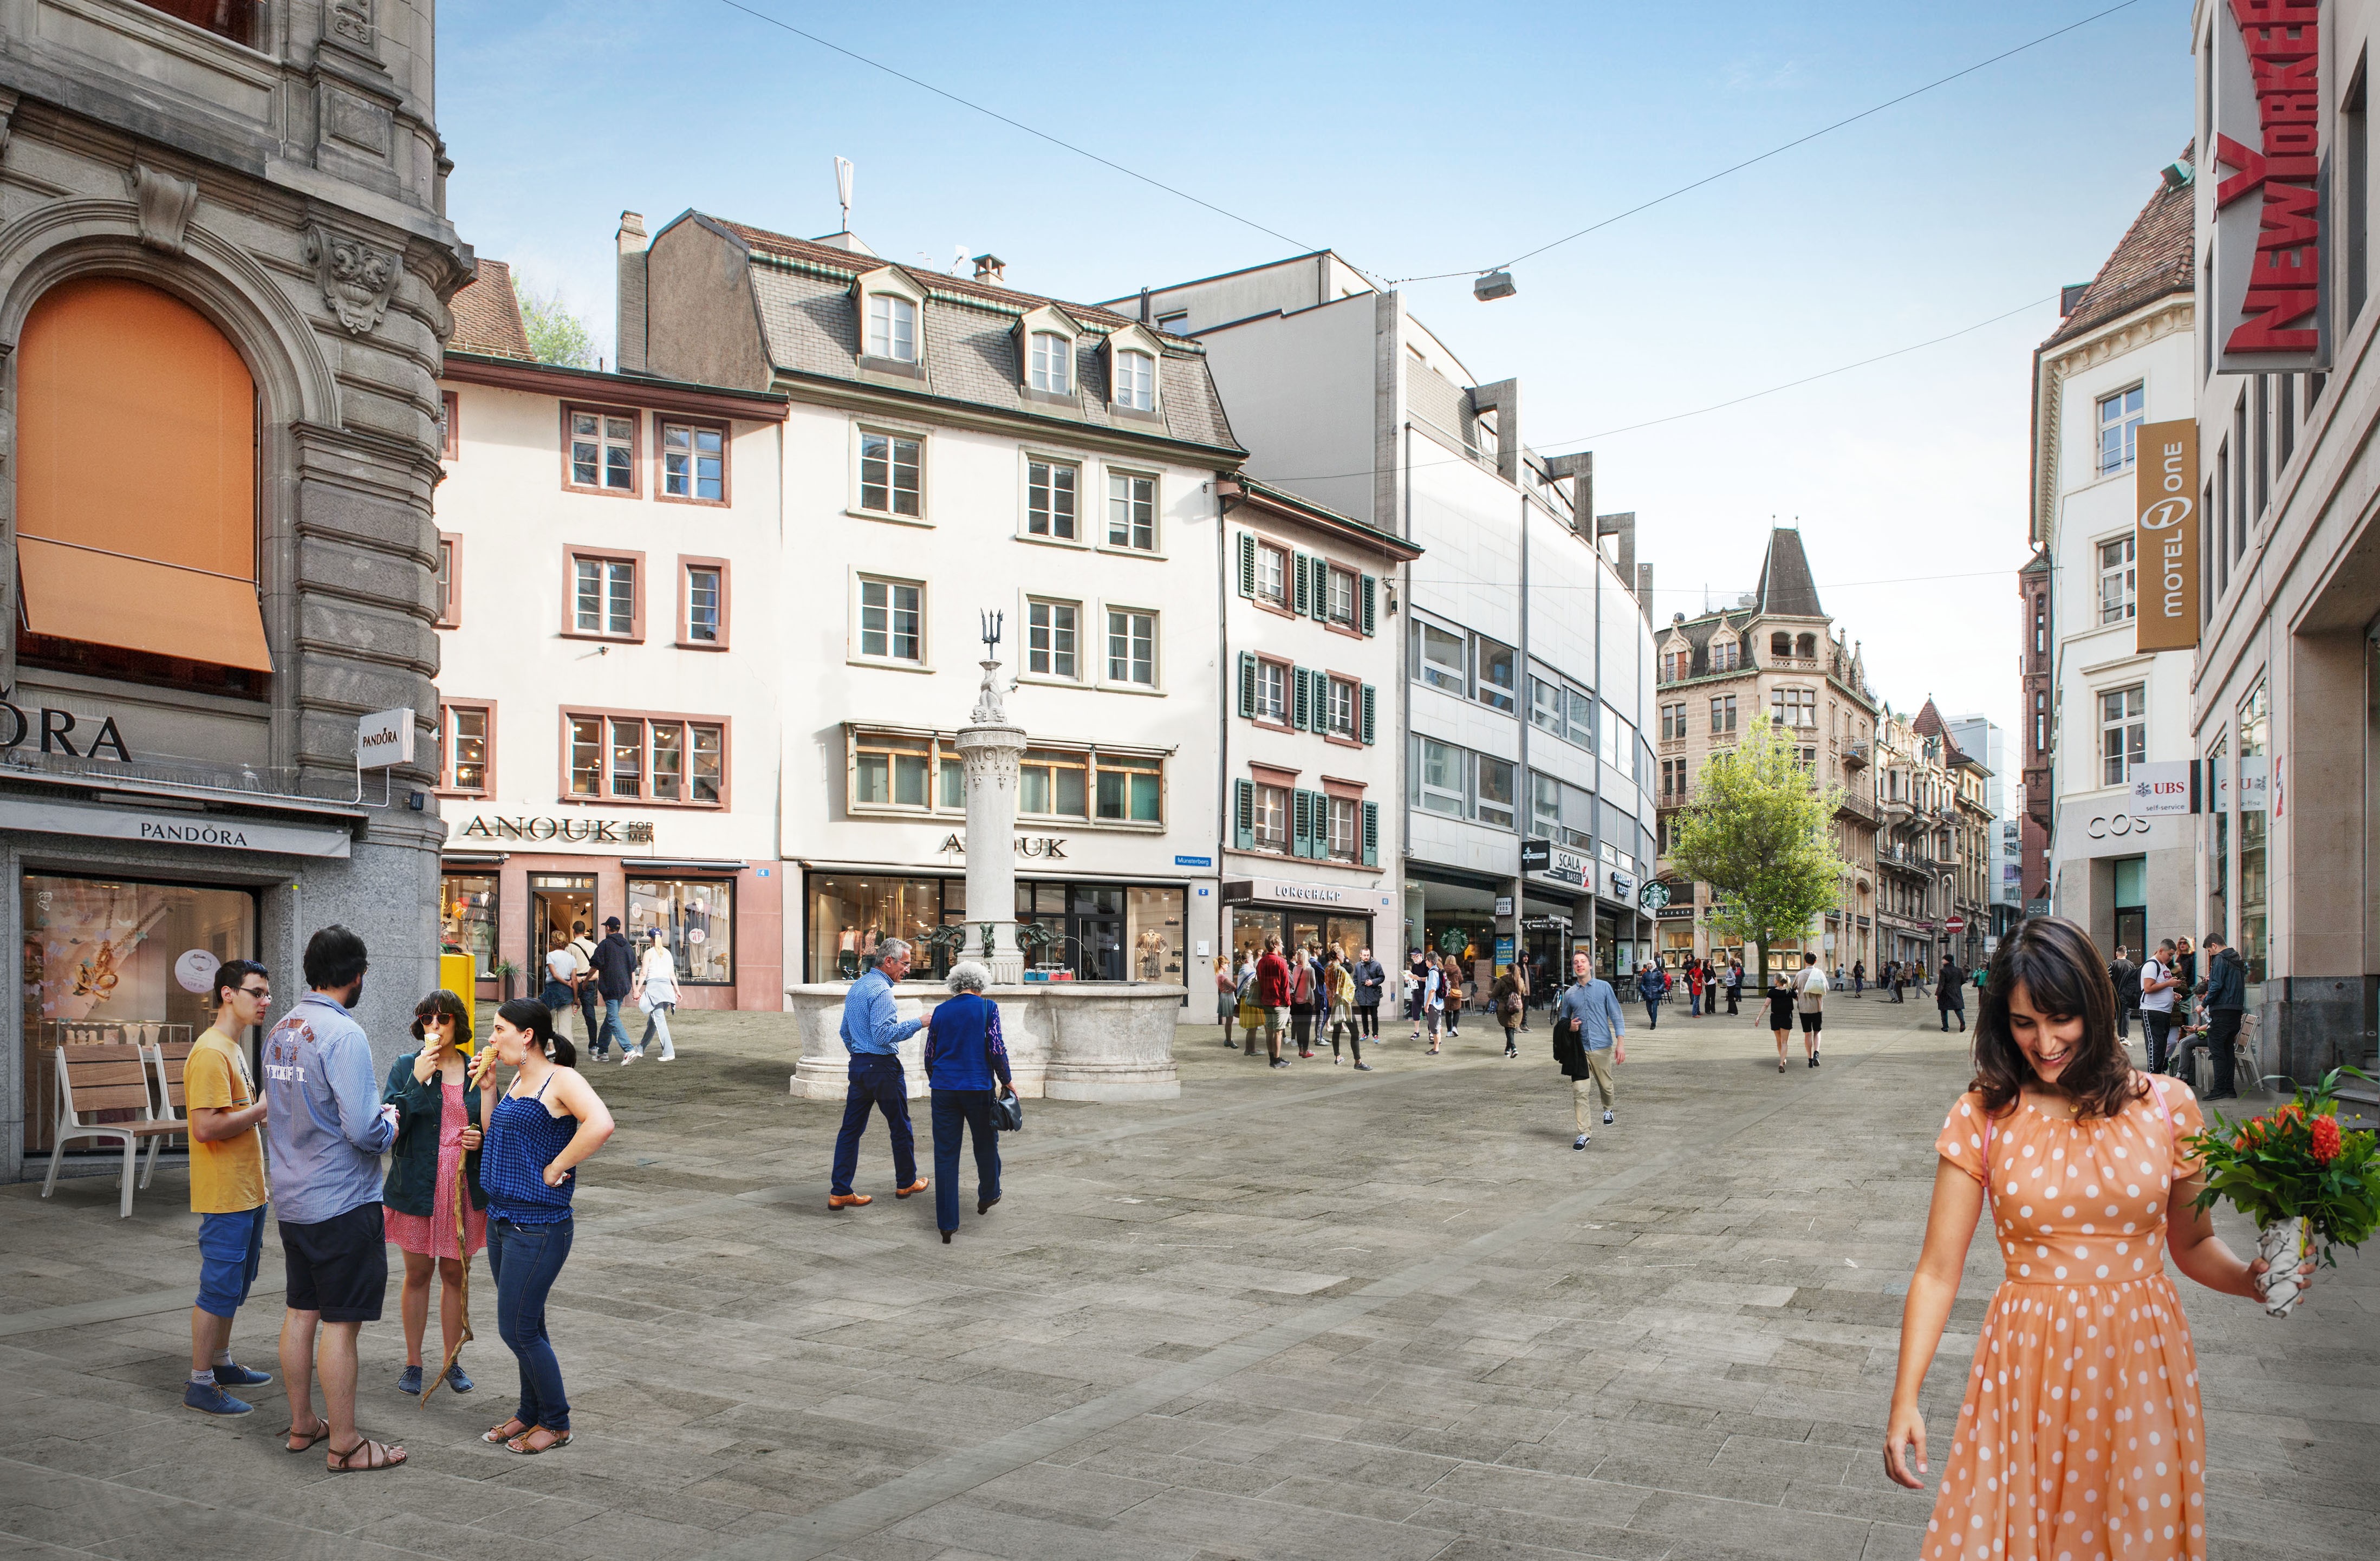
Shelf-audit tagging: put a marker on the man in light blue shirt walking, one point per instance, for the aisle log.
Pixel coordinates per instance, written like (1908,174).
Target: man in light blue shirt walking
(1590,1039)
(872,1032)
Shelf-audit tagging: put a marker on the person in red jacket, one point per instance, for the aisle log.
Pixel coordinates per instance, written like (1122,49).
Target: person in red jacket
(1272,996)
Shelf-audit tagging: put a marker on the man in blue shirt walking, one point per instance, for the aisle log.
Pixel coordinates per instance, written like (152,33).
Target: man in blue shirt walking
(1590,1038)
(872,1032)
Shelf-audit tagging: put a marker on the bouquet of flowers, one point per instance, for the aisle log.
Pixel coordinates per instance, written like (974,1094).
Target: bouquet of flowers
(2308,1184)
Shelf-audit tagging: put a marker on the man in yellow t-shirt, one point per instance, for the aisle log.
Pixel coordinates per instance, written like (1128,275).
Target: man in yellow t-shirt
(227,1190)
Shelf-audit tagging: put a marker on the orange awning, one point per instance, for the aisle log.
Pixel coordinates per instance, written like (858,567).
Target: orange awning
(135,604)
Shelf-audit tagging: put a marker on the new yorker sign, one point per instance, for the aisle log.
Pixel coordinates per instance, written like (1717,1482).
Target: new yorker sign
(2271,303)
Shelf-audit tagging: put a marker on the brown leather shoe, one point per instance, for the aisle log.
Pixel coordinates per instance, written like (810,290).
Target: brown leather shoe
(919,1187)
(847,1200)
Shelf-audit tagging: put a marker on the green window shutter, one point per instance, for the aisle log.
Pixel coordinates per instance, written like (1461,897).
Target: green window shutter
(1301,714)
(1301,826)
(1297,597)
(1321,571)
(1247,564)
(1371,834)
(1244,813)
(1247,683)
(1371,702)
(1368,592)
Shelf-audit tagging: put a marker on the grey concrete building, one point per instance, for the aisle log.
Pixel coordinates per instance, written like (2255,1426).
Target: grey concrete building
(224,274)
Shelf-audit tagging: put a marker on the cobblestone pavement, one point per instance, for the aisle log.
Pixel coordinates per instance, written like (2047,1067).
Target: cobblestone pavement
(1301,1313)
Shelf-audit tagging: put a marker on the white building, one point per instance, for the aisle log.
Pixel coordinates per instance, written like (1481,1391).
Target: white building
(1529,668)
(955,448)
(2123,357)
(609,567)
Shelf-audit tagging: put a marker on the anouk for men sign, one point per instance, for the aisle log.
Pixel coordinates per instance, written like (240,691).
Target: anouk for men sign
(2166,541)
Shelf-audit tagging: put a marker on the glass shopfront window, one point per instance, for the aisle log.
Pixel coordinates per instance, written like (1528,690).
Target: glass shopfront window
(1153,919)
(112,963)
(698,921)
(1096,932)
(466,920)
(850,913)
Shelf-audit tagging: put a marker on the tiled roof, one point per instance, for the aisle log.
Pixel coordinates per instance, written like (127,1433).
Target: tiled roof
(2153,261)
(487,315)
(827,254)
(1787,589)
(1928,722)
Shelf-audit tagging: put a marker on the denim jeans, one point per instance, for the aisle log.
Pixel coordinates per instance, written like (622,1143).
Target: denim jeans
(612,1026)
(1653,1013)
(970,1109)
(525,1259)
(657,1023)
(878,1082)
(594,1027)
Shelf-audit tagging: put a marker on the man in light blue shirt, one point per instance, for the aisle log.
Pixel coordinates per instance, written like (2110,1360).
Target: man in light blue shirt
(872,1032)
(325,1128)
(1590,1039)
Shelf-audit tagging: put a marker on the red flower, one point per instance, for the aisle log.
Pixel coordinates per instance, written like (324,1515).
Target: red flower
(2325,1139)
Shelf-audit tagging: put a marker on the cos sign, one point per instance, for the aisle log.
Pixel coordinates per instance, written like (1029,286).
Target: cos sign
(2116,827)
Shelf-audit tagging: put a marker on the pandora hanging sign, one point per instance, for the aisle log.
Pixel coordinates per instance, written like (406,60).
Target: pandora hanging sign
(2272,300)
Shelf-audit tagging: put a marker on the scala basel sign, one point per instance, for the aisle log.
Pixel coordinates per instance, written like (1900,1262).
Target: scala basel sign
(2164,488)
(2271,304)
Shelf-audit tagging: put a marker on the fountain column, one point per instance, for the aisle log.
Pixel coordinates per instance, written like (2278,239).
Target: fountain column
(992,747)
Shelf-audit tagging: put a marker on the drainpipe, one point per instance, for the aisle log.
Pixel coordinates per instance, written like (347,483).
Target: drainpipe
(1227,700)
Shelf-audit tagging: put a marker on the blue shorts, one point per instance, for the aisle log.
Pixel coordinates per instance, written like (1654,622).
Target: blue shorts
(230,1246)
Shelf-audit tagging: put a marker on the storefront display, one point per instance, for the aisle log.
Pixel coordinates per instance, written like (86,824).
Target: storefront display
(697,917)
(466,920)
(1096,932)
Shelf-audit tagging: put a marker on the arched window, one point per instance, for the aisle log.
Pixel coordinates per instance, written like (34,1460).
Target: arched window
(136,490)
(1807,647)
(1052,365)
(1780,644)
(1136,377)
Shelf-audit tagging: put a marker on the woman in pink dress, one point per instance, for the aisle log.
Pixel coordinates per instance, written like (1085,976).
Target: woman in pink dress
(436,1155)
(2082,1437)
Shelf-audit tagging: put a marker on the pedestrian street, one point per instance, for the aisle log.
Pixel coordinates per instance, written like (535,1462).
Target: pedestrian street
(1297,1312)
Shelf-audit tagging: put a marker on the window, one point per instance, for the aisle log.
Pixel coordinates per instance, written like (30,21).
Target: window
(655,758)
(1723,714)
(1178,322)
(1673,780)
(602,449)
(888,473)
(603,596)
(891,621)
(1674,721)
(1781,644)
(2120,427)
(892,328)
(694,462)
(1272,817)
(1497,682)
(697,918)
(2040,625)
(1049,630)
(1129,790)
(1440,657)
(1580,719)
(467,749)
(1051,363)
(1345,837)
(1342,701)
(1339,601)
(2123,734)
(1131,647)
(1806,647)
(1442,778)
(1676,665)
(1273,692)
(1136,382)
(1560,812)
(1794,707)
(1050,487)
(702,607)
(1495,780)
(450,425)
(1053,785)
(2115,580)
(1273,576)
(1725,656)
(1132,512)
(890,771)
(450,601)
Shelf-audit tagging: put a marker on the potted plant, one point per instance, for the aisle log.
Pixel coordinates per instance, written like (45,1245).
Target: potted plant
(506,974)
(2308,1184)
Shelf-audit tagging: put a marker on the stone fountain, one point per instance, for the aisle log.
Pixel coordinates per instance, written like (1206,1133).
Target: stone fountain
(1066,1040)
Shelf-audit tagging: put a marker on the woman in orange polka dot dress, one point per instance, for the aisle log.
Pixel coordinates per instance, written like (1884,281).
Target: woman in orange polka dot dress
(2081,1437)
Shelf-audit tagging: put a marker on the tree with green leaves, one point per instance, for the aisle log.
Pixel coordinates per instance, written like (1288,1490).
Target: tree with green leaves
(1759,831)
(555,335)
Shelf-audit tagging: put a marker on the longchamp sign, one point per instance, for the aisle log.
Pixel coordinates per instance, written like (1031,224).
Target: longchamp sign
(2271,305)
(2165,550)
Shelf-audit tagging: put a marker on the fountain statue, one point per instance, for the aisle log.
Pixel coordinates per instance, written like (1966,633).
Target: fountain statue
(992,748)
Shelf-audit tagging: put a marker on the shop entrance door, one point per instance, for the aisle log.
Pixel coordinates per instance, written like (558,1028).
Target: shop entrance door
(557,903)
(1099,934)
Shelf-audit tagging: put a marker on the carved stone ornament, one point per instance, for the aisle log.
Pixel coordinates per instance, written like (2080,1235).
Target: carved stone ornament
(166,204)
(352,20)
(357,279)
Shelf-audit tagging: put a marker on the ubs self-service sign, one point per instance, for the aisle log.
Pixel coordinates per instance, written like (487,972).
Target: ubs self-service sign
(2271,309)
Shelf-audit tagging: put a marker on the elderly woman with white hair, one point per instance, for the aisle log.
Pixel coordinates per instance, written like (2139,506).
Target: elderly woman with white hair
(964,1055)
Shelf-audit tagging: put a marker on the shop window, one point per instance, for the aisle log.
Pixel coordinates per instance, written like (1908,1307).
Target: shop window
(850,913)
(1153,924)
(694,462)
(137,556)
(600,453)
(467,749)
(467,921)
(698,921)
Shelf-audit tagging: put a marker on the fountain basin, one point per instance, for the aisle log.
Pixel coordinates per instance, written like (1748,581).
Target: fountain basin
(1065,1040)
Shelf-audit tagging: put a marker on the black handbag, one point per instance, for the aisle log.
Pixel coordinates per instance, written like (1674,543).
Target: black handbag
(1007,1112)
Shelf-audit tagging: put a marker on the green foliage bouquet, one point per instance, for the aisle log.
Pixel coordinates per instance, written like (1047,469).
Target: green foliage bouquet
(2307,1183)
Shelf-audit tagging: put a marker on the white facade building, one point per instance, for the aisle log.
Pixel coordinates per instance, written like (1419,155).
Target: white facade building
(1528,663)
(952,448)
(610,553)
(2123,358)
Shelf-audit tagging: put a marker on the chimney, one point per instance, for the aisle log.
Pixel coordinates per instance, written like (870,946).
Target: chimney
(1579,468)
(990,268)
(1504,396)
(1145,315)
(1645,589)
(631,318)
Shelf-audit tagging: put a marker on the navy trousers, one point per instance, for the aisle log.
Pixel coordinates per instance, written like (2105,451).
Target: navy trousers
(876,1082)
(967,1110)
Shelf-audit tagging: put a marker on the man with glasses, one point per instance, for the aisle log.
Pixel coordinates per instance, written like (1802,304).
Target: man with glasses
(227,1190)
(872,1033)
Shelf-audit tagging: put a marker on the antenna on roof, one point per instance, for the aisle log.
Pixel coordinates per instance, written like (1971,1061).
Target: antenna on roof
(843,188)
(958,258)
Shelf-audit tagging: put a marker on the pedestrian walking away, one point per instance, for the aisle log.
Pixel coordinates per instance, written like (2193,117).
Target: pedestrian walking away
(581,950)
(2126,976)
(434,1161)
(615,972)
(1272,998)
(1340,981)
(1507,996)
(964,1059)
(872,1033)
(1302,993)
(1590,1040)
(2159,983)
(1227,994)
(1810,1004)
(1370,977)
(2055,1096)
(1780,1012)
(548,1121)
(561,969)
(1433,1001)
(1452,969)
(1693,991)
(1251,1015)
(1652,985)
(1950,993)
(1859,978)
(1416,988)
(326,1129)
(656,994)
(227,1190)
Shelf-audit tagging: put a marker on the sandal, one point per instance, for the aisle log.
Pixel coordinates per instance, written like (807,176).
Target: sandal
(379,1455)
(321,1434)
(520,1443)
(498,1435)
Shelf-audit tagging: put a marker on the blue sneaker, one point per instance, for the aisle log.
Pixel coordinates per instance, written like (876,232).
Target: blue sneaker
(210,1399)
(455,1381)
(410,1382)
(231,1373)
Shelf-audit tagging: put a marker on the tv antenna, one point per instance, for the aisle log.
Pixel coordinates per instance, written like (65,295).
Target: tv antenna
(843,170)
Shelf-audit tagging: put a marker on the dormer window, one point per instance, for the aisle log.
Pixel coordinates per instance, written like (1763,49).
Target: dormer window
(1135,375)
(892,328)
(1050,365)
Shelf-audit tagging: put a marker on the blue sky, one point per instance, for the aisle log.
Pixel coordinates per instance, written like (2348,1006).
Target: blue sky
(1430,139)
